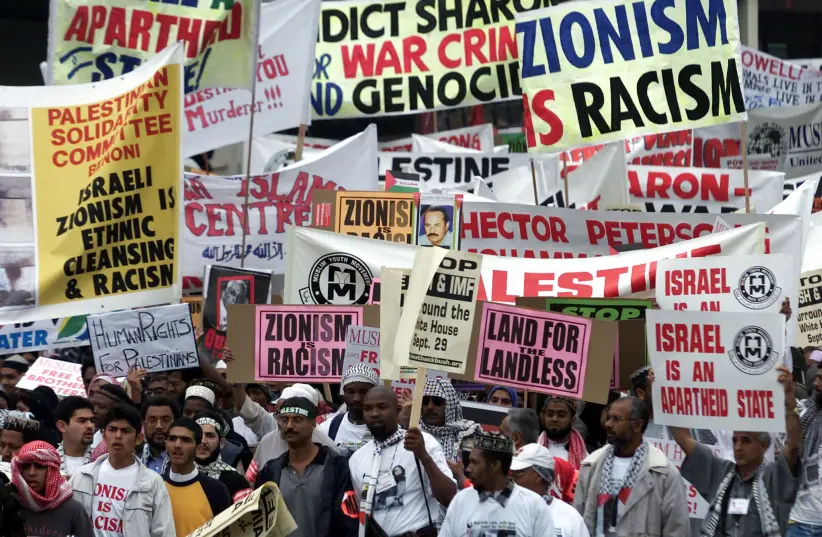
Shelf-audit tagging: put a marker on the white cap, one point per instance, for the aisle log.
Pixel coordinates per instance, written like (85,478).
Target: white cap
(221,366)
(301,390)
(532,455)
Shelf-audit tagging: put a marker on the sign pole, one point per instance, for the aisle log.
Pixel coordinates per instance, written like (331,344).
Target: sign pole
(416,406)
(534,181)
(565,178)
(298,154)
(250,137)
(743,133)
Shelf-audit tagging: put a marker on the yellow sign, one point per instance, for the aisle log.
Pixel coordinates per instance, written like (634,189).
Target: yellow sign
(604,70)
(378,215)
(93,40)
(106,182)
(397,57)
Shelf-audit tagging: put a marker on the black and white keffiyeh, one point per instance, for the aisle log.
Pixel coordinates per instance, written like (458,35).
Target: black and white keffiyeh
(456,428)
(607,484)
(767,518)
(811,420)
(369,482)
(62,452)
(217,467)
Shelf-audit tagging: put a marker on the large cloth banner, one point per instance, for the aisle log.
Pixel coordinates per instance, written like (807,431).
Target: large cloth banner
(93,40)
(214,207)
(329,268)
(606,70)
(770,81)
(35,336)
(513,230)
(395,57)
(285,54)
(451,169)
(103,165)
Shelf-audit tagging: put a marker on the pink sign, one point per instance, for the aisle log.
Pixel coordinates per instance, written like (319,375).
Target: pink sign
(302,342)
(533,350)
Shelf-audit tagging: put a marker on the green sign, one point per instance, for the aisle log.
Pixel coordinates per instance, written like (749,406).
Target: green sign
(604,309)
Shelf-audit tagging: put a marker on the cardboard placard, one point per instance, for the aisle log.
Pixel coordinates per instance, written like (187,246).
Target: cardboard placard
(62,377)
(376,215)
(809,314)
(195,305)
(362,346)
(545,352)
(717,370)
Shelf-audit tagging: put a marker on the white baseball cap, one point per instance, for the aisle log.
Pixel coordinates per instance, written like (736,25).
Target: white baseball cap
(532,455)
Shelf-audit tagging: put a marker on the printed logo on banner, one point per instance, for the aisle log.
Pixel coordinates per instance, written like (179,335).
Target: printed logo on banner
(753,351)
(768,139)
(757,288)
(338,279)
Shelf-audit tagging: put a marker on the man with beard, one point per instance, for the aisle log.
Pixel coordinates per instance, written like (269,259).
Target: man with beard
(396,510)
(158,414)
(208,455)
(348,429)
(75,421)
(495,505)
(13,369)
(442,417)
(806,514)
(748,496)
(562,440)
(195,497)
(312,479)
(629,487)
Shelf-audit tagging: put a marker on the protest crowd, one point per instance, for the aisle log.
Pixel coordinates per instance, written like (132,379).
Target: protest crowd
(602,322)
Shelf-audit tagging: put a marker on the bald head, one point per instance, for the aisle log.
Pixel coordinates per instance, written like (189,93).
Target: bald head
(380,412)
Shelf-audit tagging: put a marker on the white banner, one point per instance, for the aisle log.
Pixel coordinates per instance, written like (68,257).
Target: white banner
(512,230)
(154,339)
(214,207)
(329,268)
(449,169)
(717,370)
(62,377)
(215,117)
(697,190)
(769,81)
(809,314)
(34,336)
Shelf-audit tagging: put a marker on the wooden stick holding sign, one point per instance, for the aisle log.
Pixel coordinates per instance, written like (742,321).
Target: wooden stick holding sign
(416,405)
(565,156)
(534,182)
(743,138)
(298,153)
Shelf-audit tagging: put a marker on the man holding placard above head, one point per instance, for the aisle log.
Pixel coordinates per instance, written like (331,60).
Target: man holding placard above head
(750,497)
(495,505)
(348,428)
(402,476)
(629,487)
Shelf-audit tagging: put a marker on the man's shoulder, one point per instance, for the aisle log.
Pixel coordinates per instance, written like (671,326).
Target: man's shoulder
(522,494)
(366,451)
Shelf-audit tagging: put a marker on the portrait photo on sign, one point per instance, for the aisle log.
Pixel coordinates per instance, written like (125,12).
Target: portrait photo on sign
(435,225)
(16,217)
(15,149)
(225,286)
(17,276)
(232,290)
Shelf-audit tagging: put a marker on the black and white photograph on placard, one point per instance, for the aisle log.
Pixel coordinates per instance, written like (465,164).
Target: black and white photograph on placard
(18,276)
(15,147)
(16,216)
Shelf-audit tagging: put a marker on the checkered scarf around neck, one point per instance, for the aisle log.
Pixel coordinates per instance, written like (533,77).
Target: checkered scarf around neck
(811,421)
(770,526)
(369,482)
(57,489)
(216,466)
(576,444)
(61,451)
(612,488)
(456,428)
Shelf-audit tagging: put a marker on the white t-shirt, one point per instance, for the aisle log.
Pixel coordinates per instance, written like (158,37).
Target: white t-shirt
(110,492)
(73,464)
(620,468)
(97,438)
(558,450)
(243,430)
(400,508)
(525,514)
(349,435)
(807,509)
(567,520)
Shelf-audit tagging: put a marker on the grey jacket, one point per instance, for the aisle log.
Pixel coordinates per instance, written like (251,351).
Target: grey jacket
(657,505)
(148,507)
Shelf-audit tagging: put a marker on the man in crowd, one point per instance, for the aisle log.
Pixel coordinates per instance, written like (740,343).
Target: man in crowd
(18,430)
(312,479)
(750,496)
(521,425)
(106,397)
(195,497)
(806,514)
(387,471)
(75,421)
(14,367)
(503,396)
(176,385)
(348,429)
(158,414)
(562,440)
(533,469)
(495,504)
(45,499)
(157,386)
(199,397)
(118,492)
(629,487)
(208,455)
(442,417)
(260,394)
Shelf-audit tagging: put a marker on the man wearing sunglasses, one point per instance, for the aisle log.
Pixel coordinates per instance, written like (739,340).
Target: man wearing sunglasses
(442,417)
(313,479)
(629,487)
